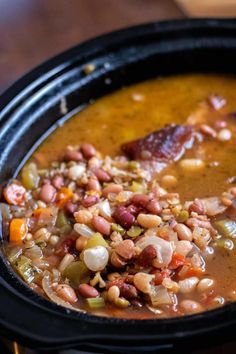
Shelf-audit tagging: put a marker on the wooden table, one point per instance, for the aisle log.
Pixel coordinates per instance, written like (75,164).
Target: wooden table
(31,31)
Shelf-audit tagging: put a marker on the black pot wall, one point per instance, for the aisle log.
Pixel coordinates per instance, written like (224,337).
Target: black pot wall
(32,108)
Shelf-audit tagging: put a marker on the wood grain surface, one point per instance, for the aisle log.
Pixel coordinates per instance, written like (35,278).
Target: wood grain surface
(31,31)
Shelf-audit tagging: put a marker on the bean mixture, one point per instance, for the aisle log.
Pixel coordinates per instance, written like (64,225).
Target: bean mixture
(117,234)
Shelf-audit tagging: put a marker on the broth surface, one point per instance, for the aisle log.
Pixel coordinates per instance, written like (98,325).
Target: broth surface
(119,118)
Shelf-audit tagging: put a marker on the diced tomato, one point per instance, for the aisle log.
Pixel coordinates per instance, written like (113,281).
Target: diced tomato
(187,270)
(42,213)
(194,272)
(117,282)
(163,233)
(14,194)
(63,196)
(177,261)
(160,275)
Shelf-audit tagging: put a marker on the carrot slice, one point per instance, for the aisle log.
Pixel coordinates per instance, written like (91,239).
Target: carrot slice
(14,194)
(189,271)
(63,196)
(194,272)
(18,230)
(42,212)
(177,261)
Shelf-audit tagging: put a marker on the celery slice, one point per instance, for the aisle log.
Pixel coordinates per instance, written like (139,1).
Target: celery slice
(24,269)
(226,228)
(77,273)
(96,240)
(95,302)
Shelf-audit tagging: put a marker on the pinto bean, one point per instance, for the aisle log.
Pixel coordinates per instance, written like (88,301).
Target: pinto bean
(148,220)
(192,222)
(101,225)
(128,291)
(112,188)
(123,217)
(66,293)
(47,193)
(147,255)
(117,261)
(125,249)
(154,207)
(57,181)
(141,199)
(102,175)
(197,207)
(88,291)
(73,155)
(89,201)
(70,207)
(93,184)
(88,150)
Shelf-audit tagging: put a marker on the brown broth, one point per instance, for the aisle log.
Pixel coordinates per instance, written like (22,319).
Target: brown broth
(118,118)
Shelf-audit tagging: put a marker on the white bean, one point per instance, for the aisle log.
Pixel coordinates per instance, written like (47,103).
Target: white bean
(191,306)
(168,181)
(224,135)
(66,260)
(188,285)
(184,233)
(113,293)
(183,247)
(142,282)
(54,240)
(205,284)
(192,165)
(148,220)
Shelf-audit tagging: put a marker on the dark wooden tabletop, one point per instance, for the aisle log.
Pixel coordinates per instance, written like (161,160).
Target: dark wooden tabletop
(31,31)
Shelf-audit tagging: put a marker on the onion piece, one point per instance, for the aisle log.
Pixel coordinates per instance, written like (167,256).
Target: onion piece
(34,252)
(213,206)
(47,287)
(161,296)
(104,209)
(164,249)
(83,230)
(226,228)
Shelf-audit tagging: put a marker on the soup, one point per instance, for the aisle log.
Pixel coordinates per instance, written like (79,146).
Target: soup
(129,209)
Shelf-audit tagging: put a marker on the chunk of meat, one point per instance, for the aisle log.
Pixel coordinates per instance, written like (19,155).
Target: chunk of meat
(164,145)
